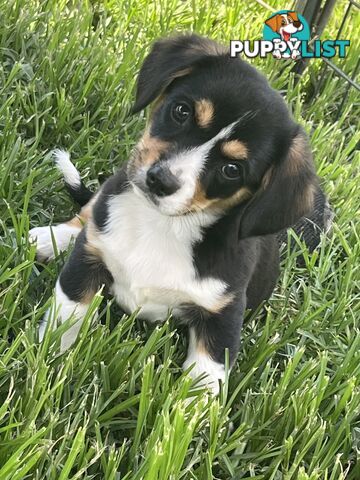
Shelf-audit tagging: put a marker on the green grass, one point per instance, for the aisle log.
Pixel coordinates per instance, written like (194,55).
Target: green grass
(114,406)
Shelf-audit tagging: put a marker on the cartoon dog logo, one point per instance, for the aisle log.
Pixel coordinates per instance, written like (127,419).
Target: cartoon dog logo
(285,25)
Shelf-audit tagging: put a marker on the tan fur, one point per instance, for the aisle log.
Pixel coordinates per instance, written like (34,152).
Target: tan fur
(200,346)
(297,155)
(266,178)
(94,256)
(149,149)
(87,296)
(84,215)
(235,149)
(223,302)
(181,73)
(157,103)
(75,222)
(295,163)
(294,16)
(241,195)
(91,236)
(201,202)
(306,201)
(204,112)
(275,22)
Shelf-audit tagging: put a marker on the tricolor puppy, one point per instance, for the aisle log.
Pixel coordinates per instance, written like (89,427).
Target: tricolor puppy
(187,225)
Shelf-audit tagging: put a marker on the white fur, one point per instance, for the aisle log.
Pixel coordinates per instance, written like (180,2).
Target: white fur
(203,363)
(43,237)
(150,258)
(63,309)
(187,166)
(64,164)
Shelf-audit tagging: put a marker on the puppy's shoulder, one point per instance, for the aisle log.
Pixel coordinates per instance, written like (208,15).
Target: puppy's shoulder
(115,185)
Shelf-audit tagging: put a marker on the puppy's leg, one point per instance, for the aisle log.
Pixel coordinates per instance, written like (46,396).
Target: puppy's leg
(82,276)
(210,335)
(65,308)
(62,234)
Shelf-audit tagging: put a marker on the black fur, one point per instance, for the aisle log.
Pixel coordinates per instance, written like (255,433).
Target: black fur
(250,267)
(115,185)
(82,195)
(83,274)
(167,58)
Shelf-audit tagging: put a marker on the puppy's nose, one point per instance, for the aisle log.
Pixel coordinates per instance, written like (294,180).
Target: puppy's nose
(161,181)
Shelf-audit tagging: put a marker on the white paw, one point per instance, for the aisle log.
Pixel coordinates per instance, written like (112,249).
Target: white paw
(205,365)
(45,237)
(62,309)
(295,54)
(277,54)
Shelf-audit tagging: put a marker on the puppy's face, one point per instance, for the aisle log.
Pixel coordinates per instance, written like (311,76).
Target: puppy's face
(210,139)
(285,24)
(215,131)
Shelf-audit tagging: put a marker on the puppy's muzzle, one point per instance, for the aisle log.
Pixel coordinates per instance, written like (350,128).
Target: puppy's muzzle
(160,181)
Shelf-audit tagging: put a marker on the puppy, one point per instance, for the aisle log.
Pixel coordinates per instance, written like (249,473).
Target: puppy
(285,25)
(187,225)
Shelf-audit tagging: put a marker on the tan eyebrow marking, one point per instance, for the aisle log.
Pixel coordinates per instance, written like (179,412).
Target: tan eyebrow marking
(149,149)
(204,112)
(235,149)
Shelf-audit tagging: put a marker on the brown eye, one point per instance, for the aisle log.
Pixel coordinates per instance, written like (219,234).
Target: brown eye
(283,22)
(180,112)
(231,171)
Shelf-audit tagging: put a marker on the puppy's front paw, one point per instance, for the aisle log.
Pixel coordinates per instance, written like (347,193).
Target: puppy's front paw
(295,54)
(45,237)
(214,371)
(276,54)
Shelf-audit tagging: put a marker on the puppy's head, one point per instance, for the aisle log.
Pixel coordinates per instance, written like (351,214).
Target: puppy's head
(285,22)
(219,137)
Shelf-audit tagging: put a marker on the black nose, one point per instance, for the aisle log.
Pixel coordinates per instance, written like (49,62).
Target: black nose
(161,181)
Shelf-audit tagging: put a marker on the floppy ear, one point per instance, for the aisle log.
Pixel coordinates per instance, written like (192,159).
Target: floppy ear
(285,195)
(170,58)
(296,20)
(294,16)
(274,22)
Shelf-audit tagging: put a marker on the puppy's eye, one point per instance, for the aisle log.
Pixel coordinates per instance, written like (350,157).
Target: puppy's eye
(231,171)
(180,112)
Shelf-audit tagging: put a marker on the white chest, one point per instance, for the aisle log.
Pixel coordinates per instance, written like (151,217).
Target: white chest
(150,258)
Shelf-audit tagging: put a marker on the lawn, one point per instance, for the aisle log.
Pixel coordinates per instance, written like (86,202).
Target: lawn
(115,406)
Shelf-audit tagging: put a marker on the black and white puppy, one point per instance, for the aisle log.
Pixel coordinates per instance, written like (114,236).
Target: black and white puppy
(187,225)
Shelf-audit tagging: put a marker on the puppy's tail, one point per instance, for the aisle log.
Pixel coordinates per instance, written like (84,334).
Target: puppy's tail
(75,186)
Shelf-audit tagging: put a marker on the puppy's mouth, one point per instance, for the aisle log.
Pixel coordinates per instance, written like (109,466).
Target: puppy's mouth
(286,36)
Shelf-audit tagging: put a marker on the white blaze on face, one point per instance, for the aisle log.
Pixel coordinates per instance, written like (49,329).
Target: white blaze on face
(187,167)
(289,27)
